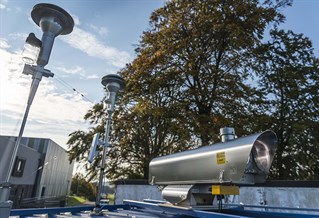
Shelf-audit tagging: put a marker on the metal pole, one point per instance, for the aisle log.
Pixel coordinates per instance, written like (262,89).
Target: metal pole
(34,86)
(106,144)
(5,187)
(113,84)
(53,21)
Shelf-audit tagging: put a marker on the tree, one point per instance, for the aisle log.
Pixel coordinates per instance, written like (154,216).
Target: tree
(81,187)
(198,51)
(288,71)
(144,131)
(188,80)
(80,141)
(189,72)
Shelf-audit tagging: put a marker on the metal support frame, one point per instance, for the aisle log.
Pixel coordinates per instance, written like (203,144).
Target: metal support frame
(169,208)
(233,210)
(163,209)
(53,21)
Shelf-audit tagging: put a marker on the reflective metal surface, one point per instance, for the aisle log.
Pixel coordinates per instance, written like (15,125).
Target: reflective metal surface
(49,16)
(227,134)
(176,194)
(244,160)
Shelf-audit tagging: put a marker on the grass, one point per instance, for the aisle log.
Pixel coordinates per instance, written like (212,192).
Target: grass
(111,198)
(75,200)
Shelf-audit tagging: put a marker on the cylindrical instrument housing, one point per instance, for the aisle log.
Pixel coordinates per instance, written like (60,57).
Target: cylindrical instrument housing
(227,134)
(245,160)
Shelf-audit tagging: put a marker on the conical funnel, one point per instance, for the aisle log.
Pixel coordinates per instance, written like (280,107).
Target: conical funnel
(113,82)
(52,18)
(53,21)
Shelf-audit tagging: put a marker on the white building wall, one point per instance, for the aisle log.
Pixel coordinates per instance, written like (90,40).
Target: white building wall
(31,156)
(57,173)
(6,149)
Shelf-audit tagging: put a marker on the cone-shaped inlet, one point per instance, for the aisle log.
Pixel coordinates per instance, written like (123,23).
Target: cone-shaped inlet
(113,82)
(52,18)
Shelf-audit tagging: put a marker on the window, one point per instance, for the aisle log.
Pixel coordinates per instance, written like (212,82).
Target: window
(18,167)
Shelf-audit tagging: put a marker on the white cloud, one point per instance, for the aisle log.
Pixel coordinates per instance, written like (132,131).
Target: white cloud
(4,43)
(55,113)
(77,70)
(76,20)
(20,36)
(100,30)
(3,4)
(18,9)
(58,107)
(74,70)
(93,76)
(12,81)
(89,44)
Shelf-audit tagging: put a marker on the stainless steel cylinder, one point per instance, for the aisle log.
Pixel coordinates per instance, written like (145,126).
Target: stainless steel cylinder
(245,160)
(227,134)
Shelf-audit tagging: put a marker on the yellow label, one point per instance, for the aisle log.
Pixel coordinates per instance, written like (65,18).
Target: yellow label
(225,190)
(221,158)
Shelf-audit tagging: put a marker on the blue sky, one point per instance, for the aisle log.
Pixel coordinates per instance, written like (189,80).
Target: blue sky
(102,41)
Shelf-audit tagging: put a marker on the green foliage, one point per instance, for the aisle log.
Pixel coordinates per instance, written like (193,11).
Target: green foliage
(200,66)
(83,188)
(289,75)
(148,129)
(75,201)
(80,141)
(197,52)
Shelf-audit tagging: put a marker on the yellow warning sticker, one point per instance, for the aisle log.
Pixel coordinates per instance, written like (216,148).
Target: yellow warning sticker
(221,158)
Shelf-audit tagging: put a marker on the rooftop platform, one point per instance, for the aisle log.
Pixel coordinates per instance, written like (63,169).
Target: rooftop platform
(149,208)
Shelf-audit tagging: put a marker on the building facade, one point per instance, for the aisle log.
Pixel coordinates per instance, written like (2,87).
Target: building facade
(41,169)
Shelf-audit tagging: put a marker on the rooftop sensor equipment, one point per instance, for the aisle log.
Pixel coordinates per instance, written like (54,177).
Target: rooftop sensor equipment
(245,160)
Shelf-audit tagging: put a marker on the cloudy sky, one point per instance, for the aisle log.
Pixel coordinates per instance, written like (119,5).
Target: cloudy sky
(103,40)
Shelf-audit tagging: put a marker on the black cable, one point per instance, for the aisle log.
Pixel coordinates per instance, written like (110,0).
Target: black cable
(71,88)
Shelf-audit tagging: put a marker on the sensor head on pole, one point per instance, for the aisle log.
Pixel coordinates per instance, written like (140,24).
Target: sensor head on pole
(52,18)
(113,82)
